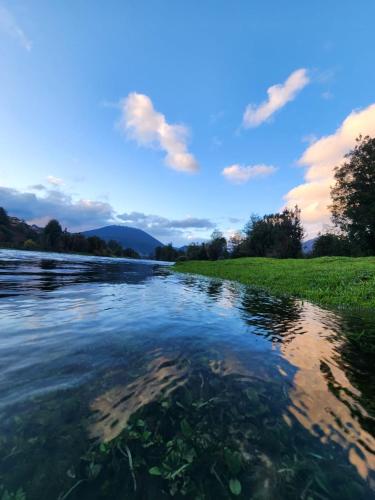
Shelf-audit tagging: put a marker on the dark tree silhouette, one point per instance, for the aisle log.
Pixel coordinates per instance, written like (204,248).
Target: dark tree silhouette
(275,235)
(4,219)
(331,245)
(167,253)
(353,195)
(196,251)
(217,246)
(52,235)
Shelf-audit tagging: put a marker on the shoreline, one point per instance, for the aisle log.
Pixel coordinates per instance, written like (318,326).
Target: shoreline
(335,282)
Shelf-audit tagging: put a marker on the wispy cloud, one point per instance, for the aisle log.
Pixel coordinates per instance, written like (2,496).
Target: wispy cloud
(239,174)
(55,181)
(278,96)
(320,158)
(9,26)
(150,128)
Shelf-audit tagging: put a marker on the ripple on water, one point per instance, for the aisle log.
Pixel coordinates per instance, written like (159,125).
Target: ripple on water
(89,344)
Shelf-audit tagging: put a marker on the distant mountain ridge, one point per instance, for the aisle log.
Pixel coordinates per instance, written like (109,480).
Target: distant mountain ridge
(308,245)
(127,237)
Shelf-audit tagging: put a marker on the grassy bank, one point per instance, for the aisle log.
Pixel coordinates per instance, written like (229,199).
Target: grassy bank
(328,281)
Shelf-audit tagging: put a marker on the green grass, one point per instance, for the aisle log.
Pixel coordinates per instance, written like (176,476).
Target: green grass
(328,281)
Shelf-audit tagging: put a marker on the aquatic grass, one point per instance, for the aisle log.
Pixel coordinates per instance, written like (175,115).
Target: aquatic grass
(224,438)
(329,281)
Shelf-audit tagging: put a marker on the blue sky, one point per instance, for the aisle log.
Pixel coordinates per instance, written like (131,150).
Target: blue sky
(135,112)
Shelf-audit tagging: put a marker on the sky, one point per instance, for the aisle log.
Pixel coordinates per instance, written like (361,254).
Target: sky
(180,117)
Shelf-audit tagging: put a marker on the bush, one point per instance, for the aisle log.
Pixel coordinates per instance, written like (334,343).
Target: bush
(331,245)
(30,245)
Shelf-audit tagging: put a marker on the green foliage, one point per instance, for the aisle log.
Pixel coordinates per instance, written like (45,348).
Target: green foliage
(130,253)
(15,233)
(235,487)
(167,253)
(196,251)
(216,248)
(329,244)
(52,235)
(7,495)
(30,245)
(217,437)
(4,219)
(275,235)
(353,196)
(339,282)
(115,248)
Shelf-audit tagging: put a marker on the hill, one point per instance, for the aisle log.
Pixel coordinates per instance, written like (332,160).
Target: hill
(308,245)
(126,236)
(14,232)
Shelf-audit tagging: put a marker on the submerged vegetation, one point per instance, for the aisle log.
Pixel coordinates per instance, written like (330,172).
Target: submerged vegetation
(220,392)
(214,437)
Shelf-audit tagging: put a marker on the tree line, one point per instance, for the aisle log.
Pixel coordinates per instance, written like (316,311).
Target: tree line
(17,234)
(276,235)
(280,235)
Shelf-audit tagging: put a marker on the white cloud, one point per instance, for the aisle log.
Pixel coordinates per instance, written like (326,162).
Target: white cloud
(150,128)
(320,158)
(240,174)
(55,181)
(278,96)
(9,26)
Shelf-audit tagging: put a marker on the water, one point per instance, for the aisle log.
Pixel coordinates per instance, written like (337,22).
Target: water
(123,380)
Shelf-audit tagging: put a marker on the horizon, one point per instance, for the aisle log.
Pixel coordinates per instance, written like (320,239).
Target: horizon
(164,122)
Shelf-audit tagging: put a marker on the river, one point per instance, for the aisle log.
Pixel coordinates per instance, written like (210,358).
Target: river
(122,379)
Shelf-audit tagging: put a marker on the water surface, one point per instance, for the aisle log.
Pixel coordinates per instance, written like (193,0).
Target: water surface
(121,379)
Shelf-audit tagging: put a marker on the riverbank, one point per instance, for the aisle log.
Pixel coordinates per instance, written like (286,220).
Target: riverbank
(329,281)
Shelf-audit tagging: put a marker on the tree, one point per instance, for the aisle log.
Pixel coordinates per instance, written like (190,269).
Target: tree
(196,251)
(78,243)
(4,219)
(96,245)
(274,235)
(235,245)
(217,246)
(131,253)
(353,195)
(52,235)
(30,245)
(115,248)
(166,253)
(330,244)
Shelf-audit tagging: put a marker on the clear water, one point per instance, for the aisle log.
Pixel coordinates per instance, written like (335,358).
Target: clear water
(124,380)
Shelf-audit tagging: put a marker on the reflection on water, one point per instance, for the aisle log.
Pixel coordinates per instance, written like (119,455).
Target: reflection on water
(88,343)
(115,406)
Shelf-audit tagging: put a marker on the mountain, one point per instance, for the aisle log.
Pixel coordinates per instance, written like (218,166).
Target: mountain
(127,237)
(307,246)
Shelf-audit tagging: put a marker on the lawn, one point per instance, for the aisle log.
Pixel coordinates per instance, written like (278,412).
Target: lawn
(328,281)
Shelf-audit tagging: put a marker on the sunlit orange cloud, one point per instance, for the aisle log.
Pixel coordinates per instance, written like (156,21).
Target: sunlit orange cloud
(320,158)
